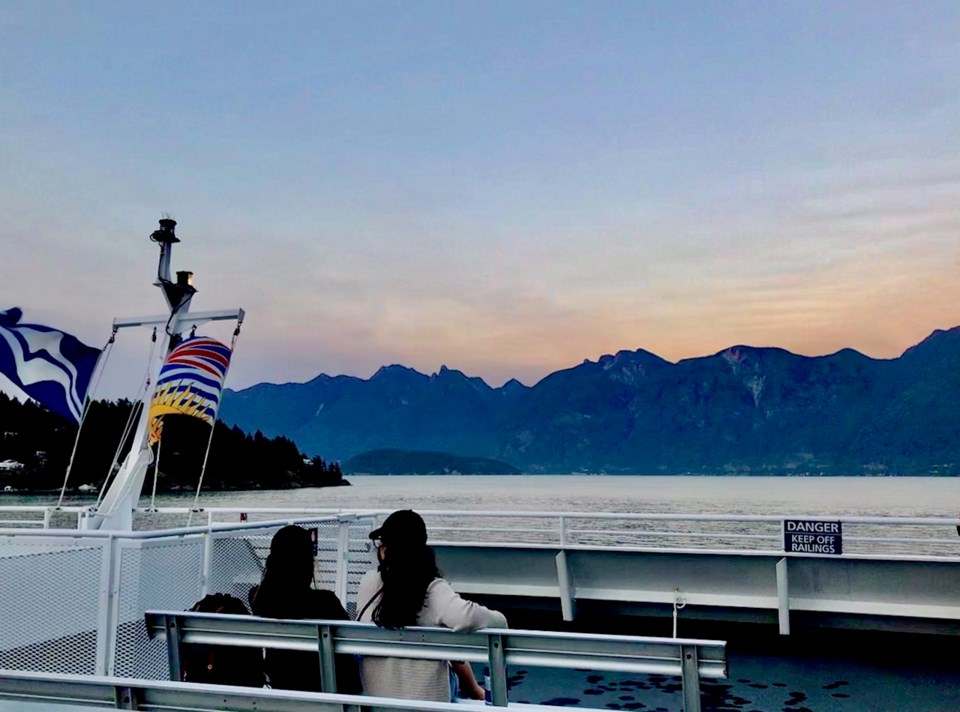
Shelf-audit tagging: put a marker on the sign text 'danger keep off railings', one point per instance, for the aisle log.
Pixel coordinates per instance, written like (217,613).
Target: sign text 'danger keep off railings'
(812,537)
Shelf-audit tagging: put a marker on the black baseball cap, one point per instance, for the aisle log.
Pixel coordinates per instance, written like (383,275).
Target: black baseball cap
(402,527)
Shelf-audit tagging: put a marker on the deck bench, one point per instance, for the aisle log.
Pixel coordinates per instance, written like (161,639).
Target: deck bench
(689,659)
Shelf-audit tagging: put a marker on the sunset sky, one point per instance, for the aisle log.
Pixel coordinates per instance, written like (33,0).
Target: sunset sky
(507,188)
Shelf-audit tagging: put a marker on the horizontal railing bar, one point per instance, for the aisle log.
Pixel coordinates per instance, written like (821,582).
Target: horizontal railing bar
(245,510)
(606,637)
(544,530)
(40,508)
(420,651)
(636,532)
(606,652)
(945,557)
(170,696)
(214,622)
(371,646)
(903,540)
(157,533)
(613,649)
(572,661)
(712,670)
(661,516)
(250,641)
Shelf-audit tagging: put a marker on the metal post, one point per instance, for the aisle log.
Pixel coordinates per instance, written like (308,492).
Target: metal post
(679,602)
(691,678)
(174,647)
(46,518)
(568,601)
(328,665)
(125,698)
(343,559)
(783,596)
(498,670)
(563,530)
(109,604)
(207,563)
(103,606)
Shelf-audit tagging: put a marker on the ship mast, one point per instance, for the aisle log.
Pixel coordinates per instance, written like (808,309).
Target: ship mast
(116,510)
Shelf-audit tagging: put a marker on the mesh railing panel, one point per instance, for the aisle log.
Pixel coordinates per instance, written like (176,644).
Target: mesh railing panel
(155,574)
(360,558)
(237,562)
(49,604)
(238,558)
(154,521)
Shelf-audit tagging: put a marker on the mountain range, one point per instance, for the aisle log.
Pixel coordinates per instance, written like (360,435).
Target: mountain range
(744,410)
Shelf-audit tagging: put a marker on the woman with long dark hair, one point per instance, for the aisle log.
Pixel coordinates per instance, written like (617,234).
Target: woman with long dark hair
(408,589)
(287,591)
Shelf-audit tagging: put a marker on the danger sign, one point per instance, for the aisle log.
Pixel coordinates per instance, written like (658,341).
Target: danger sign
(812,537)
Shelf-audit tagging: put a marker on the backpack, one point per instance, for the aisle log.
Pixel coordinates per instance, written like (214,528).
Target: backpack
(221,664)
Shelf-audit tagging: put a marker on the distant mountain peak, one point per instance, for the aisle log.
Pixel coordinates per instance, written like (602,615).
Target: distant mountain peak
(394,369)
(631,367)
(936,339)
(513,386)
(445,372)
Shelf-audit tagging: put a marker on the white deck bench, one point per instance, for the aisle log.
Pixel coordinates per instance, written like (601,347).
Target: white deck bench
(689,659)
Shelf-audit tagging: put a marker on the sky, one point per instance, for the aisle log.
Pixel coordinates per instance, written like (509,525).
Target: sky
(506,188)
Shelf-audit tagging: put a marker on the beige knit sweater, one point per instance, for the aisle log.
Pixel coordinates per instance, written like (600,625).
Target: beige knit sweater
(420,679)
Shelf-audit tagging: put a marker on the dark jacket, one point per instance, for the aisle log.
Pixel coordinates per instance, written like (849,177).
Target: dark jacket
(289,670)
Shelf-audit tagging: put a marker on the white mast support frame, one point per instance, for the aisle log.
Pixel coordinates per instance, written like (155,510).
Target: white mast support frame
(185,322)
(123,496)
(116,510)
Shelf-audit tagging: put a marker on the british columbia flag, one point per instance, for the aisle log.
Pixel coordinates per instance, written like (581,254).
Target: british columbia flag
(48,365)
(190,382)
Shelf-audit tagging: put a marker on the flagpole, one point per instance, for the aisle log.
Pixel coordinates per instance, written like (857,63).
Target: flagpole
(156,476)
(116,510)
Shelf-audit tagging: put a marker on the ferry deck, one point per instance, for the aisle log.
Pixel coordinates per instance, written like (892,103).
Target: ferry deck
(867,628)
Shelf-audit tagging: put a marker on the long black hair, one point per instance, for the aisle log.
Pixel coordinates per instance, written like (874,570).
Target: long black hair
(406,569)
(288,575)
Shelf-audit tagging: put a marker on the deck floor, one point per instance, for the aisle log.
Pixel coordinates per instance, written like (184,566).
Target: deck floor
(773,683)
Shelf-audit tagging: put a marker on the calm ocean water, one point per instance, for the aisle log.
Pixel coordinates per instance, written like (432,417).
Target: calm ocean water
(881,496)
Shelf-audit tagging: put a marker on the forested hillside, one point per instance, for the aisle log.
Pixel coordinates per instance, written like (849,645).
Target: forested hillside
(41,442)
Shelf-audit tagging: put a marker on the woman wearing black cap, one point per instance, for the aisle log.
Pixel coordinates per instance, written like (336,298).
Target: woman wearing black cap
(407,589)
(287,592)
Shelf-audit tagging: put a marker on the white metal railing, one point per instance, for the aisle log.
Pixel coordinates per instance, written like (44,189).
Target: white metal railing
(37,691)
(932,536)
(920,536)
(73,600)
(688,659)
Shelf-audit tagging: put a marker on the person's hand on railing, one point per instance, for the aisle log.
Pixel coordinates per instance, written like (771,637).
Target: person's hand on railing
(472,690)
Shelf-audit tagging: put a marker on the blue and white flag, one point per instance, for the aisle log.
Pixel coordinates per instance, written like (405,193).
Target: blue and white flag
(48,365)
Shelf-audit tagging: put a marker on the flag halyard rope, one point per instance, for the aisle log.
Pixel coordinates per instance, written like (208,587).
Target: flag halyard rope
(213,427)
(87,403)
